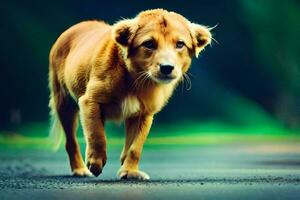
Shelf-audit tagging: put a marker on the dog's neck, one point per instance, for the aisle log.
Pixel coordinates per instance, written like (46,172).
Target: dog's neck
(151,95)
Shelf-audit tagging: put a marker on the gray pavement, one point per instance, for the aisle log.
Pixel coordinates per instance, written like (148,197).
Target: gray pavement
(249,171)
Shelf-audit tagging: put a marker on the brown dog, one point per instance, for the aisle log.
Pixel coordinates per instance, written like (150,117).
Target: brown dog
(125,71)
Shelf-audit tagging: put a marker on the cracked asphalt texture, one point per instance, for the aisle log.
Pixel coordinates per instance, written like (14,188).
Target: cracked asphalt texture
(249,171)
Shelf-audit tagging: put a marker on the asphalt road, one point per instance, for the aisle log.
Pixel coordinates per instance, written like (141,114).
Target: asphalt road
(261,171)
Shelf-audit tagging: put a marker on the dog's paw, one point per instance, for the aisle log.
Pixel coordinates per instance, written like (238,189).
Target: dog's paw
(82,172)
(95,160)
(132,175)
(95,166)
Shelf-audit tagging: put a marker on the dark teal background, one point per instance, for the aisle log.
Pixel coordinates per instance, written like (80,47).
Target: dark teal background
(250,79)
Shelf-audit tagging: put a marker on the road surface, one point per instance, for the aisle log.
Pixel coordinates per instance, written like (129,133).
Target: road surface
(249,171)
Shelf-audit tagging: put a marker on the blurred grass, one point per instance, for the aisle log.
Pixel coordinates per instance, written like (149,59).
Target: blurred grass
(35,135)
(18,141)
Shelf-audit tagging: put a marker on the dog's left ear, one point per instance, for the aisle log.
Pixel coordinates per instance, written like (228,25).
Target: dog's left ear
(201,37)
(123,31)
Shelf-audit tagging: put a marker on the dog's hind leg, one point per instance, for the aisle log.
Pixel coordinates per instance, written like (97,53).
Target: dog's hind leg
(68,115)
(64,112)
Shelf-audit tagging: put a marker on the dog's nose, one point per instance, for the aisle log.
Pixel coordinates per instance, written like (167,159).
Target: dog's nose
(166,69)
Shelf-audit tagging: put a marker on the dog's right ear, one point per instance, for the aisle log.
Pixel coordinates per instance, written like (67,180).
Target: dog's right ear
(124,30)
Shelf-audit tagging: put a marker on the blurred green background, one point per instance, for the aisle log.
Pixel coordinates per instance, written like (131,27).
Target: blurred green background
(246,84)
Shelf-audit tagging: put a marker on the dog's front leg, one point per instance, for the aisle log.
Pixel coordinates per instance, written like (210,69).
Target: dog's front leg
(137,129)
(93,129)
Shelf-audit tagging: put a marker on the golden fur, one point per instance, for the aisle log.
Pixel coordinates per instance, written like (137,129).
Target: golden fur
(115,72)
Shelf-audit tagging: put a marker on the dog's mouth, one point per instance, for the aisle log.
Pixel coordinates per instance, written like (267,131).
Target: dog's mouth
(161,78)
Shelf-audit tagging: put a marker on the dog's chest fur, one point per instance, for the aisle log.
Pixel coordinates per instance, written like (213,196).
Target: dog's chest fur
(118,111)
(129,106)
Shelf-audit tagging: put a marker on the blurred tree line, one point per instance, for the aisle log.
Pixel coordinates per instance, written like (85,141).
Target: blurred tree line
(275,30)
(249,78)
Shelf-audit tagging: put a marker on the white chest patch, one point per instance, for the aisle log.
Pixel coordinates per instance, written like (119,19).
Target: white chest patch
(130,105)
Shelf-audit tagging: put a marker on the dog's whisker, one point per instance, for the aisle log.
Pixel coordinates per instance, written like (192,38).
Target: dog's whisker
(213,39)
(144,80)
(183,83)
(138,79)
(213,27)
(148,82)
(190,74)
(139,83)
(188,80)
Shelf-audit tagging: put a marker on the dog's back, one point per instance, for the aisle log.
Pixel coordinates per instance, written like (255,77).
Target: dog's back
(74,49)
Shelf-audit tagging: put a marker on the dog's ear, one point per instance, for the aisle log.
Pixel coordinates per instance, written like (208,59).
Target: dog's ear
(201,37)
(124,30)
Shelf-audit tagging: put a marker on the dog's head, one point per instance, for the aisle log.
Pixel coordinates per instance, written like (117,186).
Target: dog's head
(159,44)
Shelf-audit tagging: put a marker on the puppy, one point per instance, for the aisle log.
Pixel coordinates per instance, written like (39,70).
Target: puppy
(126,71)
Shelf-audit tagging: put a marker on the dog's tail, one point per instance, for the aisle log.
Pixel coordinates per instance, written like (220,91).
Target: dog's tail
(56,132)
(56,97)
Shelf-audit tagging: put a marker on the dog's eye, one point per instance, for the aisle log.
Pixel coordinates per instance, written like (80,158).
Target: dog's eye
(179,44)
(149,44)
